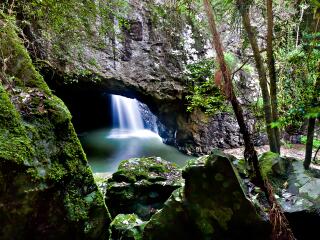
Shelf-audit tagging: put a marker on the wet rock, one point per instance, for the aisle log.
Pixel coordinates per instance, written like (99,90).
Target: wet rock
(211,205)
(47,190)
(126,227)
(145,62)
(298,193)
(141,186)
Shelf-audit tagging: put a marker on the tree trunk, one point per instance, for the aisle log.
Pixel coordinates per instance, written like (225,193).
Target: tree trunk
(281,229)
(244,11)
(250,153)
(309,144)
(311,124)
(272,74)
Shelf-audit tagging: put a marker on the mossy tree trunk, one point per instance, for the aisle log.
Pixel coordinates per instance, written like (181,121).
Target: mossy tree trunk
(244,11)
(272,74)
(281,229)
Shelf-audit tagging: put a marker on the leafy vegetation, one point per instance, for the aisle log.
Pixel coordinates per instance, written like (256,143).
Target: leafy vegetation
(204,94)
(316,141)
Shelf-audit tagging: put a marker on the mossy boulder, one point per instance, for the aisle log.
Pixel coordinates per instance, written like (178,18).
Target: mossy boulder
(211,205)
(47,190)
(126,227)
(141,186)
(271,164)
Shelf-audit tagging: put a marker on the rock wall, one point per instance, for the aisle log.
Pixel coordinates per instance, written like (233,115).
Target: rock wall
(146,60)
(47,190)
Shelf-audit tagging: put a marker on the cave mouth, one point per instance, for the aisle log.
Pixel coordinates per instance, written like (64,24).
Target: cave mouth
(110,135)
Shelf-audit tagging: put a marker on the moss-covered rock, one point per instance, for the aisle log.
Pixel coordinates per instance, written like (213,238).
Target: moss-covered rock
(298,192)
(126,227)
(271,164)
(212,205)
(47,189)
(141,186)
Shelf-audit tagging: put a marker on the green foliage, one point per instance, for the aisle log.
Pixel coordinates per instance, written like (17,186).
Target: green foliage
(316,141)
(66,23)
(297,77)
(203,92)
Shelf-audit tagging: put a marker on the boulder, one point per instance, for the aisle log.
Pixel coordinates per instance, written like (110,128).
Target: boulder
(211,205)
(141,186)
(126,227)
(47,190)
(298,192)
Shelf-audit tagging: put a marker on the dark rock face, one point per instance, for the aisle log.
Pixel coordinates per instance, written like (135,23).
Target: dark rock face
(47,190)
(141,186)
(211,205)
(298,191)
(147,62)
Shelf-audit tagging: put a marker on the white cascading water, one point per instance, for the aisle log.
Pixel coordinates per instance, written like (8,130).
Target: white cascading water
(126,113)
(127,119)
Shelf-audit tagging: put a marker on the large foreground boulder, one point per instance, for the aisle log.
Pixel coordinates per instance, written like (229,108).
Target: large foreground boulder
(211,205)
(47,189)
(141,186)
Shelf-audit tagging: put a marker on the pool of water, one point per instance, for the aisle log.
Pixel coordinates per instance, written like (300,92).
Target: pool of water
(105,148)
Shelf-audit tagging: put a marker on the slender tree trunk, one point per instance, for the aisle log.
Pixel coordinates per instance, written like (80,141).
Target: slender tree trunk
(244,11)
(272,74)
(281,229)
(311,124)
(250,153)
(309,144)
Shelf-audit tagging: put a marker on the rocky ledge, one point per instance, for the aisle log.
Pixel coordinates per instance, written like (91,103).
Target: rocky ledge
(212,199)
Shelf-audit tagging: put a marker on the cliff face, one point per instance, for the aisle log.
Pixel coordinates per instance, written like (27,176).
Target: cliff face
(47,189)
(146,59)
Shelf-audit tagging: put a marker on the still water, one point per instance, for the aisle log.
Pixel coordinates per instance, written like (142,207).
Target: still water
(105,148)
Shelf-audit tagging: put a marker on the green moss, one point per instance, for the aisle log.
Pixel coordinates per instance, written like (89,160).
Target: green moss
(266,161)
(56,172)
(14,144)
(76,207)
(126,226)
(19,64)
(58,111)
(38,143)
(129,171)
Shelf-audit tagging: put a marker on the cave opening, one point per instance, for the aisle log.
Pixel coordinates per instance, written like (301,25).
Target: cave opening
(109,136)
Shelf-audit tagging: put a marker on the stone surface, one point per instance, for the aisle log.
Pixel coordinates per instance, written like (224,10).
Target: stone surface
(298,193)
(147,63)
(47,190)
(141,186)
(126,227)
(211,205)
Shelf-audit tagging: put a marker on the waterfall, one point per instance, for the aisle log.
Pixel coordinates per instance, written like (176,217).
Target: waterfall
(126,114)
(127,119)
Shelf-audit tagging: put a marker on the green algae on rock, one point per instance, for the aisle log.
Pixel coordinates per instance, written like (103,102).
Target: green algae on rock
(47,189)
(141,185)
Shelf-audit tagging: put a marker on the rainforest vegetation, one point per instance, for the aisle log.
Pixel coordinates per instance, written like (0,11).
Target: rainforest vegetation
(159,119)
